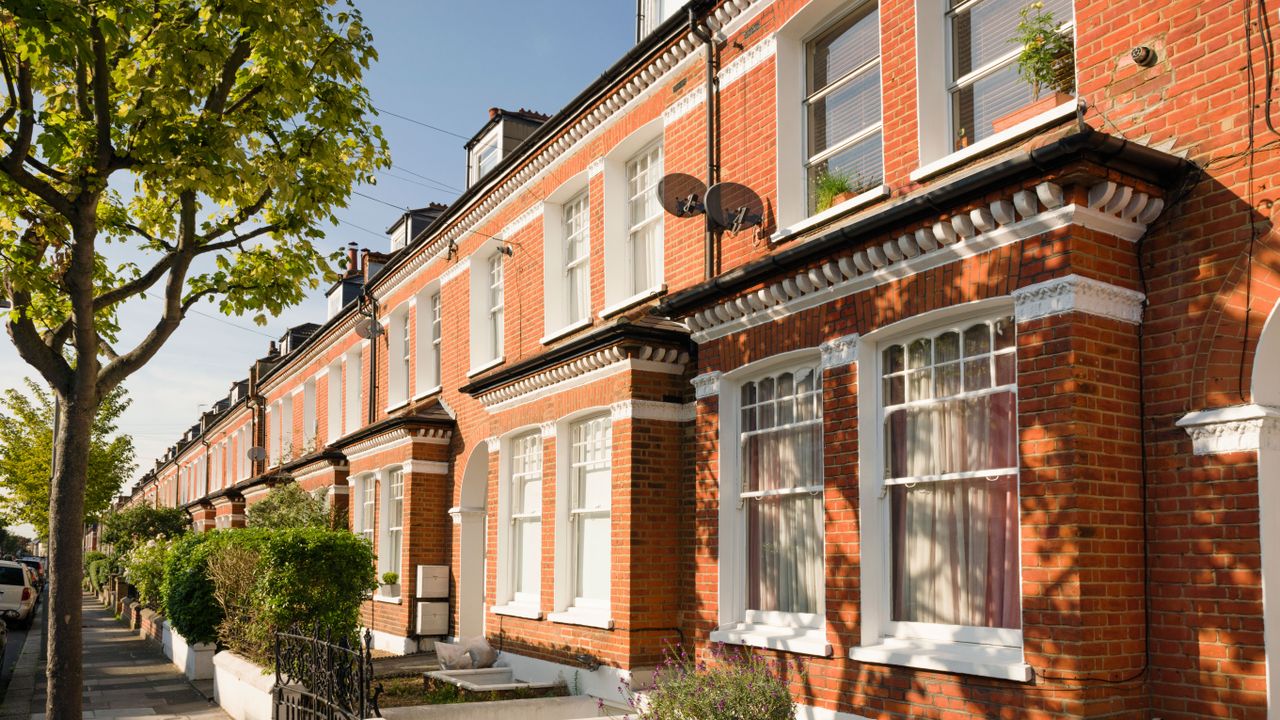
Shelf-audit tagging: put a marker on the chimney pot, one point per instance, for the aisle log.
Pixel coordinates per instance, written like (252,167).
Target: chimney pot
(493,112)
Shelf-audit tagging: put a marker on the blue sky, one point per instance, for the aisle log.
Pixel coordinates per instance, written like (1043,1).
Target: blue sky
(441,62)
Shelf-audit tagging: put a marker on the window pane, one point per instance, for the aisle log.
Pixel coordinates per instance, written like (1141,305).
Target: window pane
(955,553)
(594,542)
(785,559)
(844,112)
(850,44)
(861,162)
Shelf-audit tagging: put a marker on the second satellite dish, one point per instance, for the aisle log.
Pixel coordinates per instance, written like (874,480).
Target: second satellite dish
(734,207)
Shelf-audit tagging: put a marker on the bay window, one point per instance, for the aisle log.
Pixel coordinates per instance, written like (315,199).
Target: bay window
(393,521)
(586,514)
(366,504)
(524,515)
(944,501)
(842,105)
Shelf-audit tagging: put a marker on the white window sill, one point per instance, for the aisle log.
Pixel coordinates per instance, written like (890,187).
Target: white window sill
(806,641)
(634,300)
(397,405)
(1026,127)
(487,366)
(389,599)
(521,611)
(854,203)
(567,329)
(1005,663)
(428,392)
(583,616)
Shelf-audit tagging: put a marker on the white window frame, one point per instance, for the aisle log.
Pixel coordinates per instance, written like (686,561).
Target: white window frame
(512,556)
(571,609)
(997,654)
(488,295)
(812,158)
(804,633)
(399,357)
(427,342)
(391,523)
(286,427)
(353,379)
(364,517)
(275,432)
(933,82)
(652,154)
(791,62)
(333,402)
(558,321)
(310,423)
(619,285)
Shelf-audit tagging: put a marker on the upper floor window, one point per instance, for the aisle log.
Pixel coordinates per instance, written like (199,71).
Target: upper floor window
(844,144)
(333,402)
(353,379)
(436,337)
(577,271)
(310,425)
(644,219)
(496,303)
(487,158)
(983,82)
(400,357)
(951,469)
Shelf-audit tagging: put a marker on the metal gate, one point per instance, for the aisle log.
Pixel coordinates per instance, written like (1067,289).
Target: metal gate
(320,677)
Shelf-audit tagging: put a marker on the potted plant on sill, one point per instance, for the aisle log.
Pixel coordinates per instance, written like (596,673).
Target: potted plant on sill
(390,586)
(1047,61)
(833,188)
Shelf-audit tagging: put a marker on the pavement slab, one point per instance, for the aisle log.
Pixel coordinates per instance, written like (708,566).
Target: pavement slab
(126,677)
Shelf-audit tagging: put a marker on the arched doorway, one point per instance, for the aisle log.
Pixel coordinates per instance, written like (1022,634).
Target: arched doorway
(1266,392)
(471,516)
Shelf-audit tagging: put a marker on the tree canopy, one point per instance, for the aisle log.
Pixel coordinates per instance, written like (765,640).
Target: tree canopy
(289,507)
(139,523)
(26,457)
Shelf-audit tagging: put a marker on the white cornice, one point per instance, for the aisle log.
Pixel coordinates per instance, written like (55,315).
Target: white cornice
(455,270)
(582,370)
(533,213)
(707,384)
(839,352)
(393,438)
(1024,214)
(1240,428)
(652,410)
(1074,293)
(684,104)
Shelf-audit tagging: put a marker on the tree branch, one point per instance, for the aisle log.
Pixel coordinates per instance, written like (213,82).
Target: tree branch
(51,365)
(101,97)
(244,214)
(138,285)
(216,101)
(12,163)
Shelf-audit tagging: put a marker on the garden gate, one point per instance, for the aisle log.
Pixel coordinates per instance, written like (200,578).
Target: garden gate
(319,677)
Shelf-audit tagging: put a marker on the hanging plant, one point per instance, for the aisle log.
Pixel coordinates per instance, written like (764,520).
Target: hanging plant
(1048,54)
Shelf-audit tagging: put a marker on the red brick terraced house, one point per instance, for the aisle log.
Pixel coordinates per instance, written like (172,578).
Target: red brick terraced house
(995,433)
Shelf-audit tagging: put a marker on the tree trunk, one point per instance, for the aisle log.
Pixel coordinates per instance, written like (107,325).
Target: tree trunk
(64,672)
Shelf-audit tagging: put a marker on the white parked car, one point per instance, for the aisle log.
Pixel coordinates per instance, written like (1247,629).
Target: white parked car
(17,596)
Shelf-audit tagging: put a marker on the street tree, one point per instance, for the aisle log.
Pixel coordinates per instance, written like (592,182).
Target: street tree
(183,151)
(136,524)
(26,456)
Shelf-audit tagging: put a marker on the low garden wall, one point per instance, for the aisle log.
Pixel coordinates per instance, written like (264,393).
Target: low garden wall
(242,688)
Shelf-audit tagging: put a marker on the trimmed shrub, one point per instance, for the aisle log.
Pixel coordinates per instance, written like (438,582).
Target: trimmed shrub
(233,570)
(187,591)
(315,578)
(735,684)
(290,507)
(144,569)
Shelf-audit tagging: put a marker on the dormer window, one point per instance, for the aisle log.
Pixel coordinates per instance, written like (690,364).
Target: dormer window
(486,158)
(503,133)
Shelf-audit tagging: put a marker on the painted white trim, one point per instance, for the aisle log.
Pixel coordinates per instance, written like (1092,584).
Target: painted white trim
(454,270)
(1239,428)
(750,59)
(494,443)
(458,513)
(1075,293)
(578,372)
(547,430)
(428,392)
(684,105)
(388,599)
(566,330)
(1004,663)
(806,641)
(839,352)
(426,467)
(487,366)
(706,385)
(517,610)
(605,682)
(368,449)
(982,147)
(596,618)
(808,712)
(651,410)
(835,211)
(633,300)
(595,168)
(510,229)
(394,644)
(397,405)
(963,235)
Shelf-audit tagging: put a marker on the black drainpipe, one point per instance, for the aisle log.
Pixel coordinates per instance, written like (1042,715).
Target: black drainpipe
(713,168)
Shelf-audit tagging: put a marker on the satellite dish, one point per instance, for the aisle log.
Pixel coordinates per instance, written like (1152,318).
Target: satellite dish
(368,328)
(734,207)
(256,453)
(682,195)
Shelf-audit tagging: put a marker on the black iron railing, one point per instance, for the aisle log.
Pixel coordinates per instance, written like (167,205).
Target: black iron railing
(322,677)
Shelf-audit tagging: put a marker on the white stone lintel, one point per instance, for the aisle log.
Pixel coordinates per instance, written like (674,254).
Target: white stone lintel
(839,352)
(1239,428)
(1075,293)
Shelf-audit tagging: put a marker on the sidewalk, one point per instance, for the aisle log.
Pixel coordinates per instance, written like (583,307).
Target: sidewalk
(124,676)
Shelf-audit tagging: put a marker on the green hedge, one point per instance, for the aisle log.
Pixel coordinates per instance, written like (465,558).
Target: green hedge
(144,568)
(307,577)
